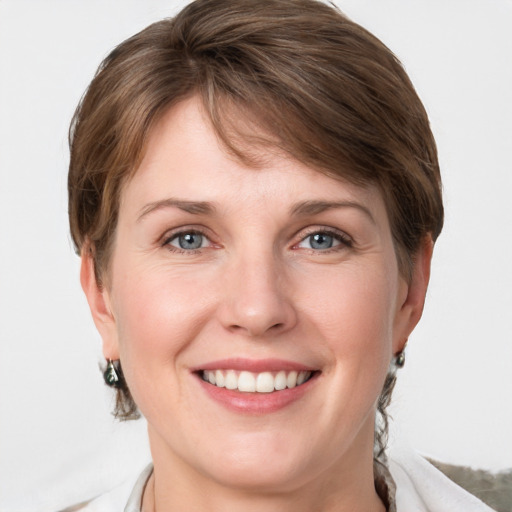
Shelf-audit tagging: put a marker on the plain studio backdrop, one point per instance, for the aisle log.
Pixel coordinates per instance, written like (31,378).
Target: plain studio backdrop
(453,401)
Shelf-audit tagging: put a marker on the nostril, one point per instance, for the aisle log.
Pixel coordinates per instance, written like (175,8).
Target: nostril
(256,330)
(257,317)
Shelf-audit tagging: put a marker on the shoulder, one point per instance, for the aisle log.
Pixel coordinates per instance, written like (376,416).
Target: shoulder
(126,497)
(420,487)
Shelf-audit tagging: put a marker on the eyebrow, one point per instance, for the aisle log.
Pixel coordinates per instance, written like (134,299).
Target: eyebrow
(303,208)
(317,207)
(194,207)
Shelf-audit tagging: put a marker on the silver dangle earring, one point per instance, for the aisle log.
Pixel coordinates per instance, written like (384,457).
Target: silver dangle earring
(110,375)
(400,360)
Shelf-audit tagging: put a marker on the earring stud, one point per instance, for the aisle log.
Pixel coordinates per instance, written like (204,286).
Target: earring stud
(110,375)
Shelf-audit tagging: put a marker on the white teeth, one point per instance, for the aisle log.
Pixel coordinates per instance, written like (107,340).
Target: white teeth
(291,380)
(219,379)
(301,378)
(264,382)
(246,382)
(280,381)
(231,380)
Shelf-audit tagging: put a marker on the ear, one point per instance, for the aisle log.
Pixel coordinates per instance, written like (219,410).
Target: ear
(412,296)
(99,302)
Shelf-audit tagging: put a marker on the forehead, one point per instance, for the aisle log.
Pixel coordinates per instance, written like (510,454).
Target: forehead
(184,158)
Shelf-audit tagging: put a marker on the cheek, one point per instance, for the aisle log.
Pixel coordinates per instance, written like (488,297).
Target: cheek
(351,316)
(355,311)
(157,315)
(354,316)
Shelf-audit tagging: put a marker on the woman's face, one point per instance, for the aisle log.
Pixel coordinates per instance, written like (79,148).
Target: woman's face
(225,279)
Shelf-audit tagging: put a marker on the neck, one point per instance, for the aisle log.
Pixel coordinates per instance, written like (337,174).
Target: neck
(346,486)
(157,501)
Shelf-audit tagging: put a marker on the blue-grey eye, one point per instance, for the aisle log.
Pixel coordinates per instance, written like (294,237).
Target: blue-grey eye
(188,241)
(320,241)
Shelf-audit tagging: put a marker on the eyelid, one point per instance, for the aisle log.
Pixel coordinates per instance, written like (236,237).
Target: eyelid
(173,233)
(344,239)
(204,241)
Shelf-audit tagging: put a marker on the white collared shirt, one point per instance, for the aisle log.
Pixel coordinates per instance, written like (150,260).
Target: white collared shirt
(420,487)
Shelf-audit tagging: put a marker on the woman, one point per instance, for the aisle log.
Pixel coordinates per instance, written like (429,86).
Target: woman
(255,194)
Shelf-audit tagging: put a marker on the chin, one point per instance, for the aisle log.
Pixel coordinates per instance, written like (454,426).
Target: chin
(258,475)
(258,461)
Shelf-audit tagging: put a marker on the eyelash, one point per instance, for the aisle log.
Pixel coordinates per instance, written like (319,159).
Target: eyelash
(168,238)
(344,240)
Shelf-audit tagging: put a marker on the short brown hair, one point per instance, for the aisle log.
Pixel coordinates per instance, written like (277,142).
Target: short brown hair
(317,85)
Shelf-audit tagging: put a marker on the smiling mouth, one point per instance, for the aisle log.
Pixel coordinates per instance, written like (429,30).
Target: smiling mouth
(249,382)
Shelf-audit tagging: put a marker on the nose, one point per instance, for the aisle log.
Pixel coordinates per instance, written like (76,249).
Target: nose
(257,298)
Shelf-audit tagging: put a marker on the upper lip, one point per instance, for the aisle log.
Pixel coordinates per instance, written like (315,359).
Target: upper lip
(254,365)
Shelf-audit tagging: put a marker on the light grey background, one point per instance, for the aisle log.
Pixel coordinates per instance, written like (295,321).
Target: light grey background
(454,398)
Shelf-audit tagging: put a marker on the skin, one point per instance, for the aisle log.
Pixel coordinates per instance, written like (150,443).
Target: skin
(257,289)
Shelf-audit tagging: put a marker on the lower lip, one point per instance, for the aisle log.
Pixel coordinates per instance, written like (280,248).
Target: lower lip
(256,403)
